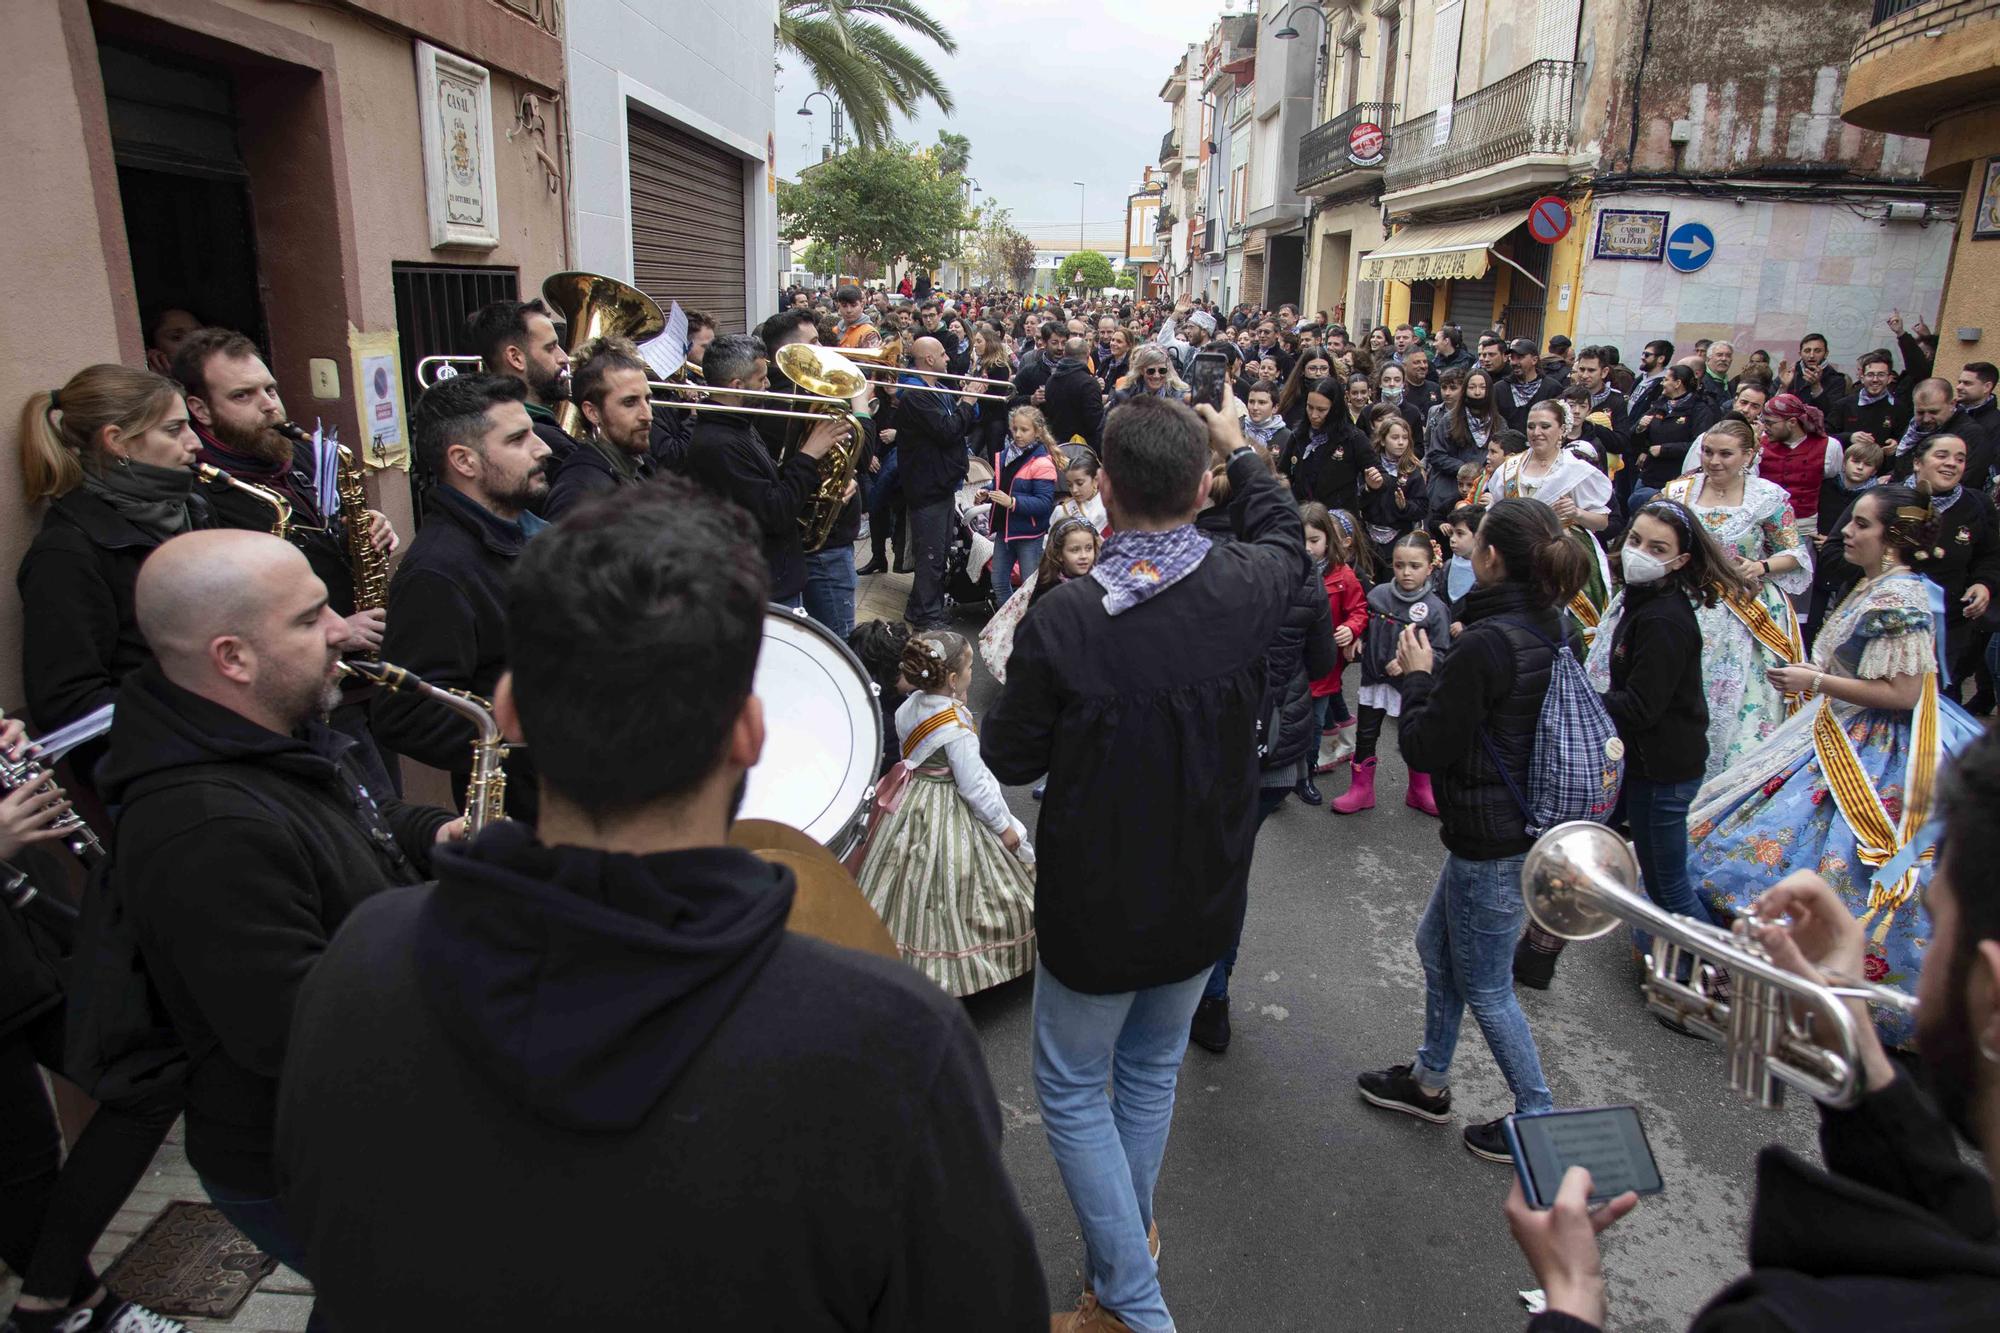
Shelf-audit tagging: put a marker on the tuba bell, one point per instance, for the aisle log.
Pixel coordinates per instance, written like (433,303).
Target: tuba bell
(594,306)
(825,373)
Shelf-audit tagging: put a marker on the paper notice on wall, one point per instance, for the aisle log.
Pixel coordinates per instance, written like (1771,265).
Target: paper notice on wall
(1446,30)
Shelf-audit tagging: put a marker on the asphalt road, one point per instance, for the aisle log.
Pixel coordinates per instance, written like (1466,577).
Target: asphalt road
(1288,1203)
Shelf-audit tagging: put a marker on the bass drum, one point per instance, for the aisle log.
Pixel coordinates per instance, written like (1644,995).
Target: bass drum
(822,734)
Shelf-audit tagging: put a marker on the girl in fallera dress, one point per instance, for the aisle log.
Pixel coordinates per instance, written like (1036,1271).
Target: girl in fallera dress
(949,868)
(1576,490)
(1071,553)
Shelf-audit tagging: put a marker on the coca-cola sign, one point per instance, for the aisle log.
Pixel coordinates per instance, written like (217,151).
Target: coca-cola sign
(1367,145)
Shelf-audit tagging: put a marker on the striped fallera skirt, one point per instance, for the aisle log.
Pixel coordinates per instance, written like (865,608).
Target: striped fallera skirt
(961,907)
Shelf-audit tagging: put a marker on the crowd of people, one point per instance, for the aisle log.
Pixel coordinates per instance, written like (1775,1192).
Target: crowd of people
(1731,609)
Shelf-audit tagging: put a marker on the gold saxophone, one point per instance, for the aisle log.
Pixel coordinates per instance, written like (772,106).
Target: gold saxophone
(486,793)
(281,508)
(370,565)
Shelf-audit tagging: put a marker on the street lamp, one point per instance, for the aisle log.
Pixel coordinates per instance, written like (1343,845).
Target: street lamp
(1080,193)
(1288,32)
(805,109)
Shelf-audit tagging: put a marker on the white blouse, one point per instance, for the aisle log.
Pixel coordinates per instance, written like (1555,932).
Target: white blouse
(960,744)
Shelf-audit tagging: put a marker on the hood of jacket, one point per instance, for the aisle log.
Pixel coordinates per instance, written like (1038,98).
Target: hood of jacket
(1824,1225)
(585,982)
(1069,365)
(160,726)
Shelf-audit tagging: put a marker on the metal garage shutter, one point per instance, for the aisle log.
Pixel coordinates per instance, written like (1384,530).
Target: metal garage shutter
(1469,305)
(687,222)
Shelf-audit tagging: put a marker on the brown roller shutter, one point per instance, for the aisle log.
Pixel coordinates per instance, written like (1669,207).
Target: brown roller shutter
(688,241)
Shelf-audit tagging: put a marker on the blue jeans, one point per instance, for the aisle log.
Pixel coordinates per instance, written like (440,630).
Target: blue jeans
(1268,799)
(882,496)
(1466,942)
(1108,1148)
(796,602)
(1331,710)
(1025,552)
(262,1220)
(829,596)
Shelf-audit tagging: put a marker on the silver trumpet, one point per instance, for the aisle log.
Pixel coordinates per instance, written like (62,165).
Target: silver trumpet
(1582,881)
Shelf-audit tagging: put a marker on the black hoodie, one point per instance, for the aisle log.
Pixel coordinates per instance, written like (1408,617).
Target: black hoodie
(620,1082)
(238,853)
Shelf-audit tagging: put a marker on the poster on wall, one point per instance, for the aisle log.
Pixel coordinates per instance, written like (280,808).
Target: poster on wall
(1986,222)
(1631,233)
(378,390)
(455,103)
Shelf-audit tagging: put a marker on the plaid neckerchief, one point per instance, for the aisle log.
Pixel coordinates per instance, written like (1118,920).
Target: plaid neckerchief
(1863,398)
(1136,567)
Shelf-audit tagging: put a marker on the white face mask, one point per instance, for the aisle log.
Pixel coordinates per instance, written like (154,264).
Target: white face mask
(1641,566)
(1392,393)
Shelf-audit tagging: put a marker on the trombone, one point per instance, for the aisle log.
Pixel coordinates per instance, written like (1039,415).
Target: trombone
(1581,880)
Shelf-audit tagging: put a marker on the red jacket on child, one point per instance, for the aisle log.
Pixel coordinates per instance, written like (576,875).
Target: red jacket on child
(1350,608)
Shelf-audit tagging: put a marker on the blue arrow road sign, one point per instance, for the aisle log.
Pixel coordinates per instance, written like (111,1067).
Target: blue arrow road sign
(1690,246)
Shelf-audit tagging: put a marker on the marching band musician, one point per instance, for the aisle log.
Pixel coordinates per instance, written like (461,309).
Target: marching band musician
(247,831)
(728,459)
(447,603)
(518,339)
(609,385)
(930,437)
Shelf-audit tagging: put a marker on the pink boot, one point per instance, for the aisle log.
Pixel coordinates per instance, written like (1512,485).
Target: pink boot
(1420,796)
(1360,790)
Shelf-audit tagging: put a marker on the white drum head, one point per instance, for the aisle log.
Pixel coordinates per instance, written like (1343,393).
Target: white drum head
(822,730)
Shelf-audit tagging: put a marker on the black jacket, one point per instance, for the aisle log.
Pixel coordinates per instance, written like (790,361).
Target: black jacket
(1146,724)
(561,443)
(1330,473)
(320,538)
(931,427)
(1492,681)
(587,473)
(1896,1231)
(79,636)
(1674,428)
(448,624)
(1516,413)
(1980,451)
(687,1033)
(1886,419)
(1074,404)
(730,460)
(1301,652)
(1380,508)
(1833,386)
(238,853)
(1656,699)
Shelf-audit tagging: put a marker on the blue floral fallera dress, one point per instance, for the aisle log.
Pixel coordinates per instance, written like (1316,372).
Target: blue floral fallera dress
(1773,812)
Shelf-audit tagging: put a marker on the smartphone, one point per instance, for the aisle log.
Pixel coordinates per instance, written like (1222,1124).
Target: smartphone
(1607,1141)
(1207,378)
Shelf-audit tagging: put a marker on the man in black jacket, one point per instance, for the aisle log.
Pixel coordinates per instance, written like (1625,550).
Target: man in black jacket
(616,403)
(1974,391)
(1592,373)
(930,439)
(1525,385)
(1812,380)
(518,339)
(1935,411)
(447,609)
(1875,412)
(1138,692)
(730,461)
(615,1077)
(246,835)
(830,571)
(1074,399)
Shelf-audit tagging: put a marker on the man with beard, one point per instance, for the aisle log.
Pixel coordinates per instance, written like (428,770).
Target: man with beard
(1493,356)
(1896,1228)
(234,406)
(1974,389)
(1593,374)
(1654,358)
(246,834)
(447,603)
(518,339)
(611,391)
(1420,389)
(1525,385)
(1874,413)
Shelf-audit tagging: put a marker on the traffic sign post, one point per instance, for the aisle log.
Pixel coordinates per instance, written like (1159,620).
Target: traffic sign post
(1690,246)
(1549,219)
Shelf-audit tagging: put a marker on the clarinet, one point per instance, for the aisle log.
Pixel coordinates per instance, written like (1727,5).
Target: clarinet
(77,835)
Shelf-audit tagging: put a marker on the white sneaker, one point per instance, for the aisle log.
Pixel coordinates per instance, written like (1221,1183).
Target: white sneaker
(131,1317)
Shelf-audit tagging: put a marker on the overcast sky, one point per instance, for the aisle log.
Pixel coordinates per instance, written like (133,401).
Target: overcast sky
(1049,92)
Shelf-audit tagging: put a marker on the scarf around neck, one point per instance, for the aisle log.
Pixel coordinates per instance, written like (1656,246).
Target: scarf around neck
(1262,431)
(150,498)
(1135,567)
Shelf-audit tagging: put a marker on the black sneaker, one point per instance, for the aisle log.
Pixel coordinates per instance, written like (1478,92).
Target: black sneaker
(1487,1141)
(1393,1089)
(1210,1028)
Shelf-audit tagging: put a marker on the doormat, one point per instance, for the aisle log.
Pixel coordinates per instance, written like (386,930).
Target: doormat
(190,1263)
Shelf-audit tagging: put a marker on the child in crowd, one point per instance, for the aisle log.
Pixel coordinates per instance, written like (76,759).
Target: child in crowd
(1501,443)
(1406,599)
(949,869)
(1461,529)
(1471,480)
(1024,498)
(1860,468)
(1071,553)
(1262,424)
(879,644)
(1392,491)
(1328,548)
(1083,501)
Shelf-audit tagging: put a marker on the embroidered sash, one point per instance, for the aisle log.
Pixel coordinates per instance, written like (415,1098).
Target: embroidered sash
(1782,641)
(1879,840)
(930,726)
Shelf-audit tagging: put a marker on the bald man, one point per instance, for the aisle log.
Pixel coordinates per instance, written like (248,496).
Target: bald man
(931,426)
(246,834)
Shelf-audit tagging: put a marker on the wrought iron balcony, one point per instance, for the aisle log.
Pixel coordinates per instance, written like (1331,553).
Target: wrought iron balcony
(1326,153)
(1170,147)
(1165,222)
(1531,112)
(1888,9)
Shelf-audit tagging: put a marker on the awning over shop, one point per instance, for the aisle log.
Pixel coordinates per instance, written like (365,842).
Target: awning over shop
(1438,251)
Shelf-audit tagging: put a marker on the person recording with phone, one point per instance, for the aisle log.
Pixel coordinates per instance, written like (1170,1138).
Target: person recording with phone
(1896,1229)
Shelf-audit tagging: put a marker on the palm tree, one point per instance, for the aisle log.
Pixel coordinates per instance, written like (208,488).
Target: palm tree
(862,64)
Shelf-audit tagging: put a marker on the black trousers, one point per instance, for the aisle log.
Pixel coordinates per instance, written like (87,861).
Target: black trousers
(52,1211)
(930,535)
(1367,730)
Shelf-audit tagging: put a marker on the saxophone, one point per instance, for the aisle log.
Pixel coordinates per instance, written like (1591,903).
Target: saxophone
(371,567)
(281,508)
(486,793)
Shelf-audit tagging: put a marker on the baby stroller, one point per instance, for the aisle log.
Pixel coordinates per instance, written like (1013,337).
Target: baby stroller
(966,580)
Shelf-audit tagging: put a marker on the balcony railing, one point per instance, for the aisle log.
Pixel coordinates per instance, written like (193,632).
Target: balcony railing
(1170,147)
(1530,112)
(1165,222)
(1326,152)
(1888,9)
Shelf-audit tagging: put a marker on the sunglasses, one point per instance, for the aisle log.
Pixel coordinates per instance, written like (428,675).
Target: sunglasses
(1151,371)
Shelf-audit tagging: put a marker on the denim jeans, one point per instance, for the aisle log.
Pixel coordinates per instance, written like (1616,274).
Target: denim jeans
(930,537)
(1466,942)
(796,602)
(1109,1148)
(829,594)
(1331,710)
(262,1221)
(883,493)
(1025,552)
(1268,799)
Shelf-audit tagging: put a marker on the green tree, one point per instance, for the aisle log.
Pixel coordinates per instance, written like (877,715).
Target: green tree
(820,258)
(877,206)
(953,153)
(1126,282)
(862,64)
(1087,269)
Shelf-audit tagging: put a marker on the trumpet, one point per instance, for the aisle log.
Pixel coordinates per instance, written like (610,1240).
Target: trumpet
(1777,1028)
(486,791)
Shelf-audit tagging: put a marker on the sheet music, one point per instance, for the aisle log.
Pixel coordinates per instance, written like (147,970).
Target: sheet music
(668,352)
(326,461)
(62,740)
